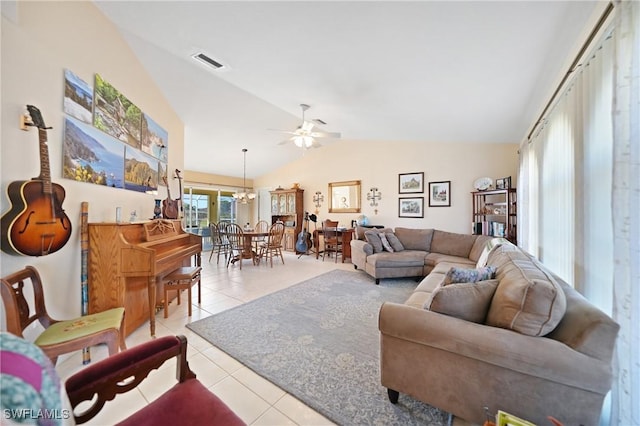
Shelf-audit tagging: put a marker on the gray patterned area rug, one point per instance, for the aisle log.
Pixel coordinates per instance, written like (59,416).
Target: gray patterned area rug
(318,340)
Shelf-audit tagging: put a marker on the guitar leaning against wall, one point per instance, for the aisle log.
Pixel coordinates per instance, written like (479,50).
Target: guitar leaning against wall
(304,238)
(36,224)
(169,205)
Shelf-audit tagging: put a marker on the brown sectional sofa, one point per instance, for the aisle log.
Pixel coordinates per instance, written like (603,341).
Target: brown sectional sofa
(534,346)
(423,249)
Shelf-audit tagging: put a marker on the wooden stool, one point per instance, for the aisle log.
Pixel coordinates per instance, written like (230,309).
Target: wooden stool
(180,279)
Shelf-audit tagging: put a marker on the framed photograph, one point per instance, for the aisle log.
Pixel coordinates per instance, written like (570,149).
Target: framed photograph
(506,419)
(507,182)
(411,183)
(440,194)
(411,207)
(504,183)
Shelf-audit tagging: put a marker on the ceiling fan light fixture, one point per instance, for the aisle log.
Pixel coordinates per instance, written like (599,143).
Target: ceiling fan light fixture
(303,141)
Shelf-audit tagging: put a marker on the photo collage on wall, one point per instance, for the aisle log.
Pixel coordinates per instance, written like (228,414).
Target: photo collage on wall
(108,140)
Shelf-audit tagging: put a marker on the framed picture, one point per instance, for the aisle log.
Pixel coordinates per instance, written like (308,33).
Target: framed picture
(411,183)
(504,183)
(411,207)
(506,419)
(440,194)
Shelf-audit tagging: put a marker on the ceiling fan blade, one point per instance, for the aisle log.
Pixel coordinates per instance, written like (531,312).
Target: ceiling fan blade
(325,134)
(288,132)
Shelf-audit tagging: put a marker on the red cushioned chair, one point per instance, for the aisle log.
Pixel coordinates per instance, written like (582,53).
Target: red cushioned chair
(188,402)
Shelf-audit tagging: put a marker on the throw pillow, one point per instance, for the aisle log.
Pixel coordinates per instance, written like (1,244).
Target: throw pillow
(488,248)
(463,275)
(394,241)
(467,301)
(385,242)
(373,238)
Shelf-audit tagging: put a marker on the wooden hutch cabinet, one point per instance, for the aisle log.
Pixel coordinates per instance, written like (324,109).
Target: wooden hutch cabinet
(494,213)
(287,206)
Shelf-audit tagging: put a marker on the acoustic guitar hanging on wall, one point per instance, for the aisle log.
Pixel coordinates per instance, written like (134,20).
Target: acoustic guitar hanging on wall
(36,224)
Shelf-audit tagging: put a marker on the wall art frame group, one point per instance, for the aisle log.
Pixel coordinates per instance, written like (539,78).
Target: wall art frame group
(110,141)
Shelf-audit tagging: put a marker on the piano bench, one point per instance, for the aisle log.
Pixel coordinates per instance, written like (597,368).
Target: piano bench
(180,279)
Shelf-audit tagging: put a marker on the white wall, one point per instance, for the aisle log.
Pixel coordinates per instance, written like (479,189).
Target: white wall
(378,164)
(44,39)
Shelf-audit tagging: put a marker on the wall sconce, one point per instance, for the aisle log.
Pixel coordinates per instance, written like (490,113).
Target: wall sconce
(318,198)
(374,195)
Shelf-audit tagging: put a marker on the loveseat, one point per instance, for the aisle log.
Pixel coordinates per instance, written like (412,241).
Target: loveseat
(520,340)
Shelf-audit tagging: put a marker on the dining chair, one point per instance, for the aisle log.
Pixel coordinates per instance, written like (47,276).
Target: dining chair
(273,245)
(261,226)
(237,245)
(58,337)
(188,401)
(219,241)
(332,239)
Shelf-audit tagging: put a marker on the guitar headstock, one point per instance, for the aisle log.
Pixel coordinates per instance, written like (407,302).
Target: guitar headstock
(178,174)
(36,118)
(164,179)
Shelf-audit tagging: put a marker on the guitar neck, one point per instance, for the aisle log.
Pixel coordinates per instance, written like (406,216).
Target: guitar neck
(45,170)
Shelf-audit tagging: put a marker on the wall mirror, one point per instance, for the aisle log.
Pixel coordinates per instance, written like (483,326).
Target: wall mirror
(344,197)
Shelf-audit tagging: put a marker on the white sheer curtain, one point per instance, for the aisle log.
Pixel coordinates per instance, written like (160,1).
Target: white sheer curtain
(626,213)
(565,180)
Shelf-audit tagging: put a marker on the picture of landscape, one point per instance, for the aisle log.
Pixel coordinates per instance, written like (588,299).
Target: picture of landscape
(141,171)
(91,156)
(155,140)
(115,115)
(78,97)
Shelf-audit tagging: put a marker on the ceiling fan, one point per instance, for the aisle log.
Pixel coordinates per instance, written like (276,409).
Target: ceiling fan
(305,136)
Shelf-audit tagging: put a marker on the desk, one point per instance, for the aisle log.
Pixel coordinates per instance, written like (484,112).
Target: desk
(347,236)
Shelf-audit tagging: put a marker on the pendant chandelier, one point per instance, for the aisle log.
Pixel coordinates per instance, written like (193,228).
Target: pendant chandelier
(244,197)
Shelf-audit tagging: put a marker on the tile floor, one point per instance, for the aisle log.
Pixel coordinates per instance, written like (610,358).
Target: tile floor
(254,399)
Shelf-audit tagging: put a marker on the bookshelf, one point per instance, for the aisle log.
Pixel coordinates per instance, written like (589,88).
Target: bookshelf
(495,213)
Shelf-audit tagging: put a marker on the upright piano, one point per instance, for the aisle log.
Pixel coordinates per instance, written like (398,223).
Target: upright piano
(127,261)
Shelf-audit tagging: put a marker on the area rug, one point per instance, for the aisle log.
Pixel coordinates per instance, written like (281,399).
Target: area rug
(318,341)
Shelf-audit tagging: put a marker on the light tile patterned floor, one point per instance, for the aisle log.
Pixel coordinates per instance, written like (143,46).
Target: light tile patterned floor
(254,399)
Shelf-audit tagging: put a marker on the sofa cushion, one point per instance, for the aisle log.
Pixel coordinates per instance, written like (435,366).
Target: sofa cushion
(434,259)
(415,239)
(528,299)
(467,301)
(396,260)
(394,241)
(452,243)
(373,238)
(478,247)
(468,275)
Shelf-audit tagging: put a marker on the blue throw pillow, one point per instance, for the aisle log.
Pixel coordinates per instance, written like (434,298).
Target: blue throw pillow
(463,275)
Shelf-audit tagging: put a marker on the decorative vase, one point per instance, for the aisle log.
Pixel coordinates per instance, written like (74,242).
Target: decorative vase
(157,211)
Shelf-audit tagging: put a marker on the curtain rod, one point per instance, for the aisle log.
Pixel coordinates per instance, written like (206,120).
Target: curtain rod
(575,62)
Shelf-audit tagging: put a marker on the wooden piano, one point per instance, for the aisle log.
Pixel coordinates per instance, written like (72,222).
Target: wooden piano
(126,261)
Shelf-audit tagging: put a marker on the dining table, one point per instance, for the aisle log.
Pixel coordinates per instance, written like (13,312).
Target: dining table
(249,237)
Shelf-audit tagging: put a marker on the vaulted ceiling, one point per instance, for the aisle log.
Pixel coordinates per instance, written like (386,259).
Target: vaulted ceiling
(425,71)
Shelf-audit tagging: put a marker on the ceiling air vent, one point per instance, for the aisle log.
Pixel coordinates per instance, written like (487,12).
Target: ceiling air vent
(318,121)
(207,60)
